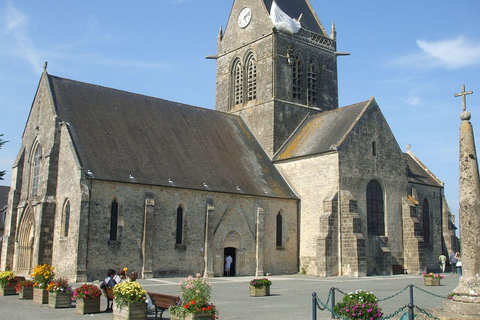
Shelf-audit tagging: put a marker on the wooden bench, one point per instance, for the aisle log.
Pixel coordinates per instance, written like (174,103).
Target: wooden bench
(162,302)
(399,269)
(108,293)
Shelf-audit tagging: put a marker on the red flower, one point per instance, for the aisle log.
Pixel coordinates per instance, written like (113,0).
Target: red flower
(186,306)
(198,310)
(209,308)
(192,302)
(203,309)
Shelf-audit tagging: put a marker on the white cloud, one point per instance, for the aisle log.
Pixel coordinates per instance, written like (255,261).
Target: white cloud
(16,23)
(448,53)
(412,100)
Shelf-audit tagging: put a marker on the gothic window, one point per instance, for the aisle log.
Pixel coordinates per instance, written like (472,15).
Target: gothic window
(65,219)
(252,78)
(237,81)
(297,77)
(179,236)
(35,175)
(279,229)
(375,209)
(114,220)
(426,221)
(312,83)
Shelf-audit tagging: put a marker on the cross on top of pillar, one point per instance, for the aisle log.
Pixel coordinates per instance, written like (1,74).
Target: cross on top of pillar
(463,94)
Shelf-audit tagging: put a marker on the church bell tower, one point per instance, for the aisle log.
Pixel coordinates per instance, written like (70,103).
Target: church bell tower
(276,65)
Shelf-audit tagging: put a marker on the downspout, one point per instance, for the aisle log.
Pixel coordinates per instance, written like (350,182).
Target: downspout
(88,224)
(339,208)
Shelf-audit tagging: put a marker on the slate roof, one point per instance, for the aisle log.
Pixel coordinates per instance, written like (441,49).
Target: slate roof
(3,197)
(417,173)
(127,137)
(319,133)
(294,8)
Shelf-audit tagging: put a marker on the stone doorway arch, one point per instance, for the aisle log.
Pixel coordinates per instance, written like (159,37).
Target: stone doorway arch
(25,241)
(231,246)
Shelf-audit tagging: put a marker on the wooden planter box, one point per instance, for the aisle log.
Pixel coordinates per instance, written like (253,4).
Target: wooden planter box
(59,300)
(429,281)
(192,316)
(87,305)
(259,292)
(40,296)
(26,293)
(7,291)
(133,311)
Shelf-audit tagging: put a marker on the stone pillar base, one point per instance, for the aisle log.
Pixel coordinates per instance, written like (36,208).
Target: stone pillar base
(147,274)
(459,310)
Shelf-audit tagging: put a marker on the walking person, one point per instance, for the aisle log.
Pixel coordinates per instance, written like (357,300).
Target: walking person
(453,261)
(459,263)
(442,261)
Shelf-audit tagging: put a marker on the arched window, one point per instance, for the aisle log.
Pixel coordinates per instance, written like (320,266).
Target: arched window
(375,209)
(279,229)
(297,77)
(237,81)
(312,83)
(179,237)
(65,219)
(114,220)
(426,221)
(35,175)
(252,78)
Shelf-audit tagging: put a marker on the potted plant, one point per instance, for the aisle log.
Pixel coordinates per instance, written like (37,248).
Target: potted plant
(359,305)
(195,294)
(42,275)
(7,283)
(88,299)
(59,294)
(260,287)
(25,289)
(432,279)
(129,301)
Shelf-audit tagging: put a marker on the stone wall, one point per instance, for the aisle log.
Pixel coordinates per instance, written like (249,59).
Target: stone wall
(234,225)
(315,181)
(358,166)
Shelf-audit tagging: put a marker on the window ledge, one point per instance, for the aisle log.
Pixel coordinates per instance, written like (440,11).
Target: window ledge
(280,248)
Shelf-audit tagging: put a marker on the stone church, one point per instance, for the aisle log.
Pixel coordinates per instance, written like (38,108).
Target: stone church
(278,176)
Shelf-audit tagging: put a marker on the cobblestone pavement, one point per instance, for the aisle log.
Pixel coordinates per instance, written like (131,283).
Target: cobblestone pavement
(291,297)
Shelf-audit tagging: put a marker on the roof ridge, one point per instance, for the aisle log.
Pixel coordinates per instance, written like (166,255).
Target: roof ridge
(424,167)
(139,94)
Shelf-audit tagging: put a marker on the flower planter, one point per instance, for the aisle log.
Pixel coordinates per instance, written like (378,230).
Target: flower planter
(26,293)
(430,281)
(87,305)
(59,300)
(192,316)
(133,311)
(40,296)
(7,291)
(259,292)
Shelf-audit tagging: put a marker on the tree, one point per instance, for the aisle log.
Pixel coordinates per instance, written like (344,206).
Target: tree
(2,142)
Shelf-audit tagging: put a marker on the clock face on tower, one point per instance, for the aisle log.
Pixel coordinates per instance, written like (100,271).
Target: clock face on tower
(244,17)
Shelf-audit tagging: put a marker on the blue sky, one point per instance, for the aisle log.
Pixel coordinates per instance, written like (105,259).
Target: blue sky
(412,56)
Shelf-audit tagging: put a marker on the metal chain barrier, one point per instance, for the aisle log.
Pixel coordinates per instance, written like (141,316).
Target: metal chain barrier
(324,306)
(426,313)
(393,295)
(431,293)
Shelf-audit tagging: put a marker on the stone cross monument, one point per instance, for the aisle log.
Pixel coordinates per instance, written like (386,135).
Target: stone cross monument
(466,302)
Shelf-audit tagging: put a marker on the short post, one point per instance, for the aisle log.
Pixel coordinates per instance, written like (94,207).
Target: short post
(411,314)
(332,290)
(314,306)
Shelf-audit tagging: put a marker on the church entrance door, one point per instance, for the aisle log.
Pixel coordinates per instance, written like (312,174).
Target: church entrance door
(229,252)
(25,243)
